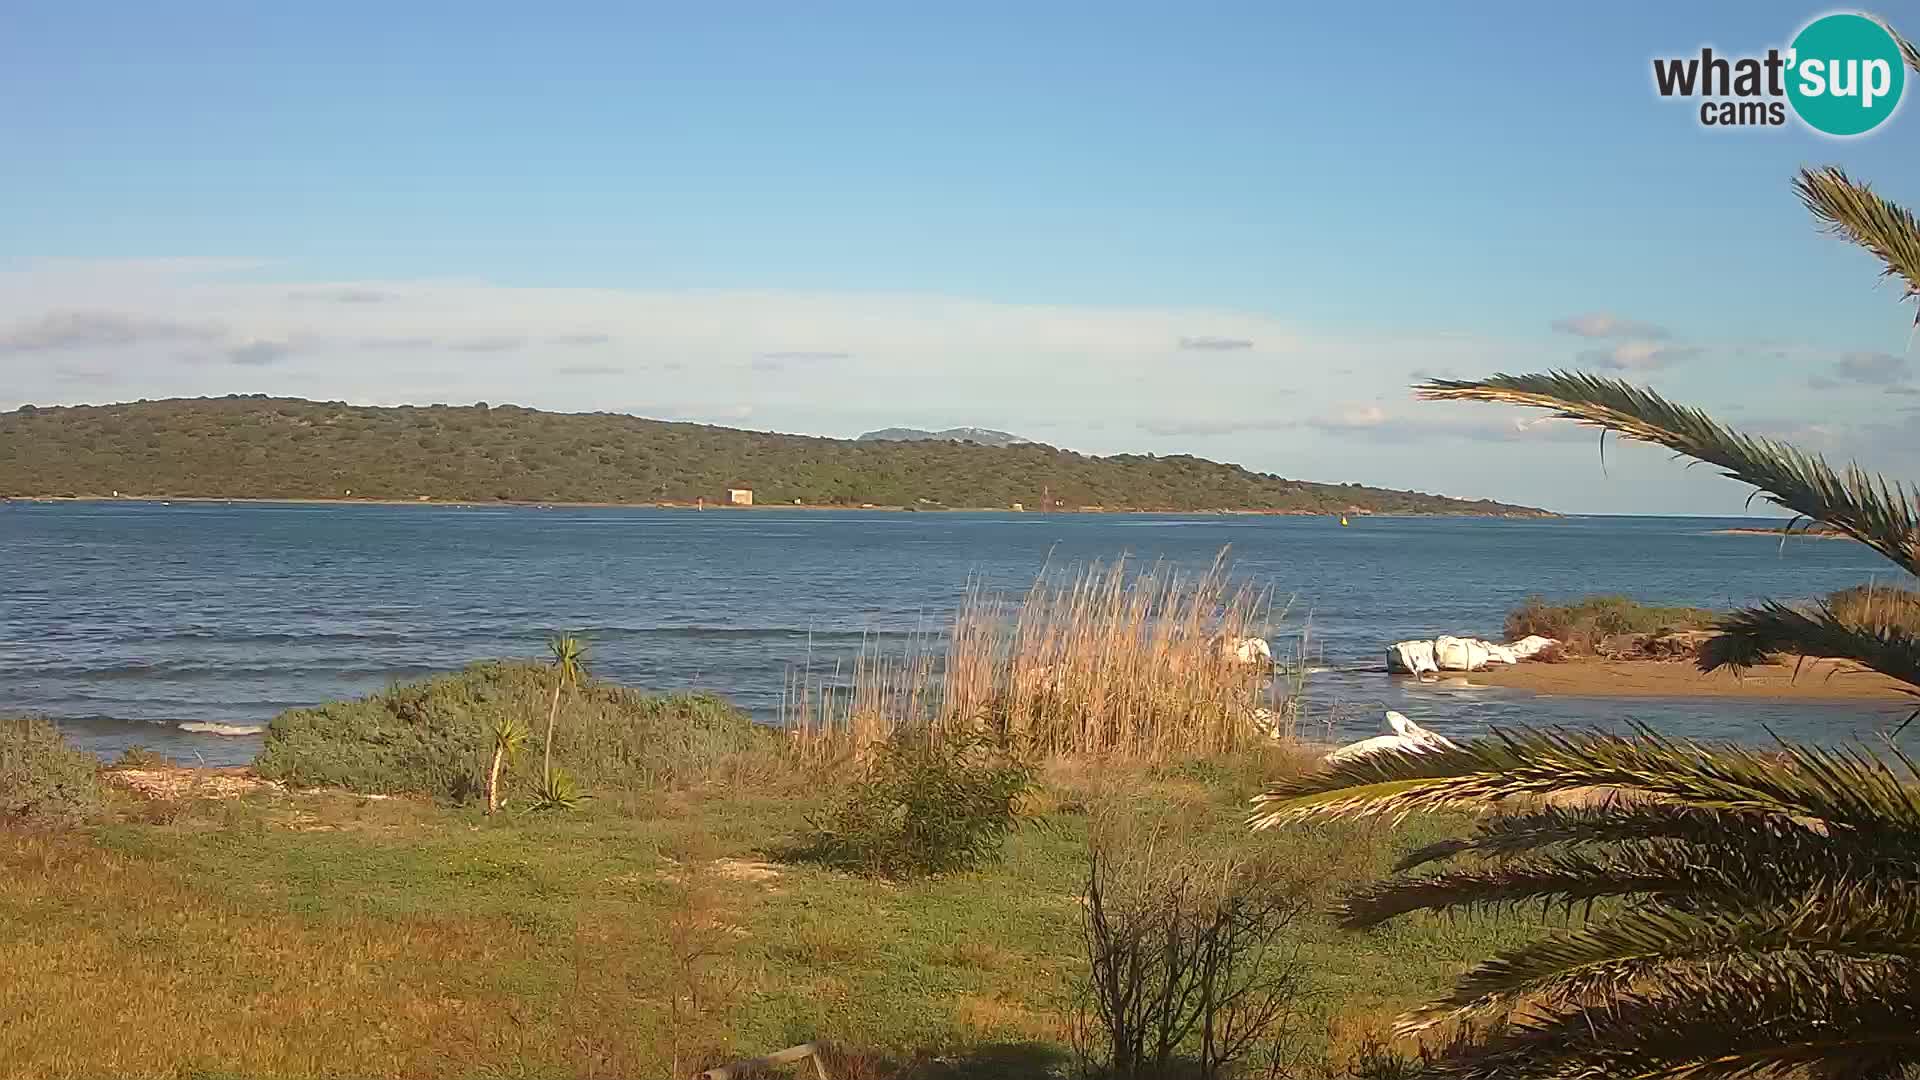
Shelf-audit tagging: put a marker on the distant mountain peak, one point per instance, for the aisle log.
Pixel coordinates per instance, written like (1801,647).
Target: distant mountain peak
(983,436)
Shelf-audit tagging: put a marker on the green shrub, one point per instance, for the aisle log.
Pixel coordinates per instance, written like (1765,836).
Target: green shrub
(924,806)
(434,737)
(141,757)
(42,779)
(1581,624)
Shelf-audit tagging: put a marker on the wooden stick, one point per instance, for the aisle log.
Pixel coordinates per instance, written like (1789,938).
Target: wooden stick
(782,1057)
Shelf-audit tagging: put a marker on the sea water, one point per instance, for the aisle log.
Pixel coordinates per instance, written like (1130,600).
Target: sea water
(187,626)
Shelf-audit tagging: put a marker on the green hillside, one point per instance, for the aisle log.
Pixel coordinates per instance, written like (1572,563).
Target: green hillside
(263,448)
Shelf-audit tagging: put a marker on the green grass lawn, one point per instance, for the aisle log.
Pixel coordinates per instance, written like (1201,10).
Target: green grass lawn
(329,934)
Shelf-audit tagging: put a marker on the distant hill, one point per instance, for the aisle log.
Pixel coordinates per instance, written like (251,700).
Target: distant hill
(286,448)
(983,436)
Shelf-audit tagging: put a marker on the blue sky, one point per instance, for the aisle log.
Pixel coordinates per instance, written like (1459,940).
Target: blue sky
(852,216)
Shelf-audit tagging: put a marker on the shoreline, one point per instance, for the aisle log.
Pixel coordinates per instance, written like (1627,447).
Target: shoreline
(824,507)
(1814,680)
(1816,534)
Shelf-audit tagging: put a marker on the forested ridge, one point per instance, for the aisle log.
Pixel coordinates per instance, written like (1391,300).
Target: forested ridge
(257,447)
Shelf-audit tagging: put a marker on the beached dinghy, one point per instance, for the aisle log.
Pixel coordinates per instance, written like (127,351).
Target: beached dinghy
(1407,736)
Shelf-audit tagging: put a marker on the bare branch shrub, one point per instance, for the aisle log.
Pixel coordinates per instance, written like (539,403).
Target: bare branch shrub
(1192,970)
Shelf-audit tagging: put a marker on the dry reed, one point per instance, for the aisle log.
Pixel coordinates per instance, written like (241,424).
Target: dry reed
(1104,660)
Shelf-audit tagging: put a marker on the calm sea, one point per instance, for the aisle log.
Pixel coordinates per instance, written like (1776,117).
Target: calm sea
(185,627)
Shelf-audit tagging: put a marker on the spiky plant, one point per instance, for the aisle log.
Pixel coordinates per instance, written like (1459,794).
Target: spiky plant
(509,736)
(1747,913)
(557,790)
(568,656)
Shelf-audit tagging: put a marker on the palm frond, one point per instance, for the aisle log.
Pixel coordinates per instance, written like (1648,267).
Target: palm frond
(1878,513)
(1754,635)
(1861,920)
(1612,820)
(1844,788)
(1777,1015)
(1850,209)
(1740,867)
(1559,879)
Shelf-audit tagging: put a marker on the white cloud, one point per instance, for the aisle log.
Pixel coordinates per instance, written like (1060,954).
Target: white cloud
(1210,343)
(1307,401)
(1601,324)
(1639,356)
(1873,368)
(259,353)
(99,329)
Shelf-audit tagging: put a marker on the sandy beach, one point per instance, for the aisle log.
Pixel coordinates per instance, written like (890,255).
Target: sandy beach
(1815,680)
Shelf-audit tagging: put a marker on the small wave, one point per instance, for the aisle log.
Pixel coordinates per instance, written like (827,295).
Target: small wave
(192,672)
(740,632)
(202,727)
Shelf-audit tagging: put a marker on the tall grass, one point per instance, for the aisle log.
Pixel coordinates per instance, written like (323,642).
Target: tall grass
(1880,606)
(1102,660)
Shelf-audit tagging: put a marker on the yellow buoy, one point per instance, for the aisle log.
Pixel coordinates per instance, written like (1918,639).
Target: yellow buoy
(1343,519)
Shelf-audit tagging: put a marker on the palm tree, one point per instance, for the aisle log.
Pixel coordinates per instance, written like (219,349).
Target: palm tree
(569,666)
(1758,911)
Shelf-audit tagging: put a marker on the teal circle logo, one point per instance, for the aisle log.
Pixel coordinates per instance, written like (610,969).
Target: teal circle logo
(1845,74)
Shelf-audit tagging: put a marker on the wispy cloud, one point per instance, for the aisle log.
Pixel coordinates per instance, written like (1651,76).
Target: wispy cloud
(589,369)
(579,340)
(1873,368)
(100,329)
(1350,418)
(487,344)
(91,376)
(1601,324)
(397,343)
(1890,373)
(259,353)
(342,295)
(1199,427)
(1638,355)
(804,356)
(1207,343)
(780,361)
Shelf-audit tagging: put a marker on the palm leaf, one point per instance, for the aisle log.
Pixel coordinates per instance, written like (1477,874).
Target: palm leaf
(1865,506)
(1843,788)
(1754,635)
(1860,919)
(1567,879)
(1779,1014)
(1737,868)
(1852,210)
(1613,820)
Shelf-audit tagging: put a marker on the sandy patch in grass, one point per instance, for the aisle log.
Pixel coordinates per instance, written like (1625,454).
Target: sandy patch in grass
(176,783)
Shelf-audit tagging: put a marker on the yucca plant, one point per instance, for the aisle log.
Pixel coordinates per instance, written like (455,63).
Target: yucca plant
(569,666)
(1747,912)
(557,790)
(509,736)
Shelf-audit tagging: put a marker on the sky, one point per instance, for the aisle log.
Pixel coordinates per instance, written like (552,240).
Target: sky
(1237,230)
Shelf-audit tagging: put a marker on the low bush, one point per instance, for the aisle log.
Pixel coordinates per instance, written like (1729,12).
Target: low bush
(1580,625)
(1193,966)
(42,779)
(138,756)
(924,806)
(435,737)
